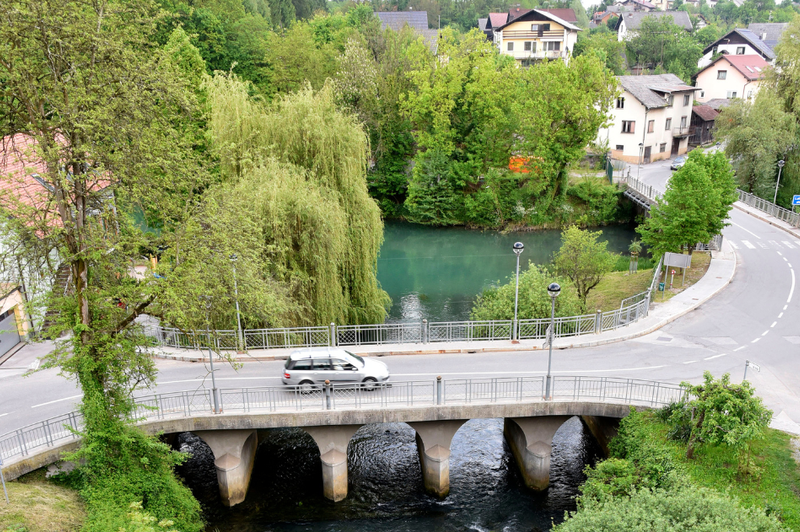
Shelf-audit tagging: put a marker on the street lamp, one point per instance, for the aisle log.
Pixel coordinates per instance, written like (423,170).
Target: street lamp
(519,247)
(639,168)
(553,289)
(780,167)
(238,314)
(207,300)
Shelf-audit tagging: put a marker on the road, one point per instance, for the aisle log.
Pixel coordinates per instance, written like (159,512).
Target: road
(755,318)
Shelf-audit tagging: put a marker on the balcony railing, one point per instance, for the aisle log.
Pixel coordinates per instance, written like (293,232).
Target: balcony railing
(539,54)
(682,131)
(527,34)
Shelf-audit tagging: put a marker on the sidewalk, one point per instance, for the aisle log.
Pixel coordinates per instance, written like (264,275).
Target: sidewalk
(720,273)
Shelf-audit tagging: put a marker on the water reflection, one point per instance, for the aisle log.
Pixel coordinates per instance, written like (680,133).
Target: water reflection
(385,483)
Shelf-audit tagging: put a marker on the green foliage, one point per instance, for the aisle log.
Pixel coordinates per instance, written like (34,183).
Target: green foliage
(583,260)
(596,200)
(141,521)
(604,45)
(659,42)
(534,301)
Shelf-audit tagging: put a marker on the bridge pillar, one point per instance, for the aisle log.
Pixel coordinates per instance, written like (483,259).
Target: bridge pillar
(332,442)
(531,440)
(433,444)
(602,428)
(234,455)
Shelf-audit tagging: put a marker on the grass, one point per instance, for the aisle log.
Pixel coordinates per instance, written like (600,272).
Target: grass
(40,505)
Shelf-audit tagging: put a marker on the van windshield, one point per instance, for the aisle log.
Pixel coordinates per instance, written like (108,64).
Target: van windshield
(356,357)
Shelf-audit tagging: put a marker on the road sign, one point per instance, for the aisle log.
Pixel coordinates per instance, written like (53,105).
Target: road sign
(796,200)
(754,366)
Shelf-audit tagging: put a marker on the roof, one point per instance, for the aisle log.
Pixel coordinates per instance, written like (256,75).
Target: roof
(395,20)
(643,3)
(751,66)
(497,19)
(516,12)
(482,23)
(680,18)
(718,103)
(563,14)
(545,14)
(650,90)
(748,36)
(705,112)
(768,32)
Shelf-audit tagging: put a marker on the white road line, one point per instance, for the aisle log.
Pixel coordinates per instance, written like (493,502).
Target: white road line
(1,415)
(787,244)
(733,244)
(789,264)
(740,348)
(743,229)
(791,290)
(690,362)
(785,307)
(763,245)
(717,356)
(765,332)
(775,243)
(785,259)
(797,242)
(780,315)
(774,323)
(779,253)
(58,401)
(525,372)
(200,379)
(748,245)
(756,340)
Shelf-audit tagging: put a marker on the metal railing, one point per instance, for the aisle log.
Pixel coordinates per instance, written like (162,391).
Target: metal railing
(55,431)
(776,211)
(648,191)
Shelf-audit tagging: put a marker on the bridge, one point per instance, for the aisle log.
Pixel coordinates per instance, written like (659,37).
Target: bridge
(228,420)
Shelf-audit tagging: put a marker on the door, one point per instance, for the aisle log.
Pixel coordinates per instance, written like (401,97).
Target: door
(343,371)
(675,146)
(647,155)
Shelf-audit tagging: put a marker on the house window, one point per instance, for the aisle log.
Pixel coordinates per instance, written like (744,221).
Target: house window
(722,74)
(669,124)
(511,47)
(620,147)
(621,103)
(686,100)
(740,50)
(670,99)
(527,46)
(731,94)
(750,94)
(702,94)
(683,122)
(628,126)
(651,126)
(534,27)
(551,46)
(663,147)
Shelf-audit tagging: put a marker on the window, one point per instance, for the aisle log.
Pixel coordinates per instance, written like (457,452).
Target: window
(511,47)
(740,50)
(702,94)
(621,103)
(534,27)
(651,125)
(670,99)
(731,94)
(551,46)
(686,98)
(683,122)
(620,147)
(527,46)
(722,74)
(750,94)
(669,124)
(628,126)
(663,147)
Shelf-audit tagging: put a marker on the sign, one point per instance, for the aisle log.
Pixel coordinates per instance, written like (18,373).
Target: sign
(796,200)
(679,260)
(754,366)
(660,287)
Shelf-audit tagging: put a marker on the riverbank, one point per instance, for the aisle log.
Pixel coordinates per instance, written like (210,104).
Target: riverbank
(37,504)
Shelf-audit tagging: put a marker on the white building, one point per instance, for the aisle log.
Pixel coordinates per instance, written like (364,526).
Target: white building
(630,22)
(737,42)
(731,76)
(536,35)
(650,120)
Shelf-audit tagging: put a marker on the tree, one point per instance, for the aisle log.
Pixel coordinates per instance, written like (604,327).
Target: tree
(605,45)
(110,119)
(659,42)
(583,260)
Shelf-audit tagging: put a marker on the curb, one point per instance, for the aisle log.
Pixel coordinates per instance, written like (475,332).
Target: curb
(763,218)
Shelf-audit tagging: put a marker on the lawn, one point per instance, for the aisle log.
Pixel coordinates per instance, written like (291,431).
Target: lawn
(39,505)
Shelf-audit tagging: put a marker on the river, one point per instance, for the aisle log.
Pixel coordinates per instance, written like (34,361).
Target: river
(436,272)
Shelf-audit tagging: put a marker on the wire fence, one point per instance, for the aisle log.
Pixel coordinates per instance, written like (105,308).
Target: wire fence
(785,215)
(37,437)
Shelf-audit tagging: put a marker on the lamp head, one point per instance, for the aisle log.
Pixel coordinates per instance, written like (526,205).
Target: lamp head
(781,163)
(554,289)
(518,248)
(233,257)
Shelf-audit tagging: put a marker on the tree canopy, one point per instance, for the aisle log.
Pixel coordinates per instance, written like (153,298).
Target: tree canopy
(583,260)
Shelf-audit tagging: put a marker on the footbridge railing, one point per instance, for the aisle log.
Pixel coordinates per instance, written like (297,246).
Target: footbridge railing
(776,211)
(56,431)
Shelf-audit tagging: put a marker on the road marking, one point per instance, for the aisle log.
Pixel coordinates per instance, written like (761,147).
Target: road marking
(774,323)
(748,245)
(733,244)
(1,415)
(717,356)
(787,244)
(780,315)
(690,362)
(740,348)
(785,307)
(789,264)
(526,372)
(765,332)
(159,383)
(785,259)
(791,290)
(797,242)
(763,245)
(775,243)
(57,401)
(756,340)
(781,254)
(743,229)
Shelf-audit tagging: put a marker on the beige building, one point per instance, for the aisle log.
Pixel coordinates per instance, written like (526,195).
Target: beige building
(536,35)
(650,119)
(731,76)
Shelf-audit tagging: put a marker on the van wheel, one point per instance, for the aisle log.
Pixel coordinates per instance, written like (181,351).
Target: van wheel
(369,383)
(306,387)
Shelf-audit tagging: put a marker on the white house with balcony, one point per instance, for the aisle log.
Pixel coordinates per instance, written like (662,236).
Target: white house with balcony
(650,119)
(629,23)
(738,41)
(536,35)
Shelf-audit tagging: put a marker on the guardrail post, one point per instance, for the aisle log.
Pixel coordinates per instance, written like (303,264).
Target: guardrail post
(22,446)
(327,395)
(439,390)
(424,331)
(332,339)
(598,321)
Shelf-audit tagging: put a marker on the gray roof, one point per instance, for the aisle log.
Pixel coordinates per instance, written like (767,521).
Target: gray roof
(769,32)
(482,23)
(650,90)
(759,45)
(718,103)
(417,20)
(680,18)
(545,14)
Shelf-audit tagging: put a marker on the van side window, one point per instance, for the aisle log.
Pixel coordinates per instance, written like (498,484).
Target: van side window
(322,363)
(341,365)
(302,365)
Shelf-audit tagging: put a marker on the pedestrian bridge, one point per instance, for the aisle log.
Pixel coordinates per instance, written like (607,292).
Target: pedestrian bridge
(332,414)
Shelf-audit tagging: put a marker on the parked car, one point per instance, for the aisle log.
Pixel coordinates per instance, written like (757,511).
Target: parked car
(678,162)
(310,368)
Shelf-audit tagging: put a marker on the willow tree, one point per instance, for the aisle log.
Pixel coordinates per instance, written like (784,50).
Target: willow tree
(303,163)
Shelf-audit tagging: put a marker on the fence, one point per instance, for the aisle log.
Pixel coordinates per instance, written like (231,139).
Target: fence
(288,399)
(785,215)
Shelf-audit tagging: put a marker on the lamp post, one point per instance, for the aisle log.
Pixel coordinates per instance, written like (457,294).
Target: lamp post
(780,167)
(553,289)
(211,355)
(238,314)
(639,168)
(519,247)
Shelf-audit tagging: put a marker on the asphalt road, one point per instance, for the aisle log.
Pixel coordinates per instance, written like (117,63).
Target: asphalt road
(755,318)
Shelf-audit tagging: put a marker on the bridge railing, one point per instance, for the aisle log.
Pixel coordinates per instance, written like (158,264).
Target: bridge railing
(55,431)
(776,211)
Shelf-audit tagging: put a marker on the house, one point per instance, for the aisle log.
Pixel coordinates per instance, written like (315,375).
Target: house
(536,35)
(602,17)
(636,5)
(737,42)
(494,20)
(769,32)
(702,125)
(630,22)
(650,119)
(731,76)
(416,20)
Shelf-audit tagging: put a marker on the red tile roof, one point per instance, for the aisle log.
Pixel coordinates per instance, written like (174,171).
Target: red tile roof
(516,12)
(751,66)
(564,14)
(498,19)
(705,112)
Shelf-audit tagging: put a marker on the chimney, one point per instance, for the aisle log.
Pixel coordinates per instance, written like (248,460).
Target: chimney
(764,36)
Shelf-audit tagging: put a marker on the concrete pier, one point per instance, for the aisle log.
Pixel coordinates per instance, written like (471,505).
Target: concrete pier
(531,441)
(602,428)
(332,442)
(433,444)
(234,455)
